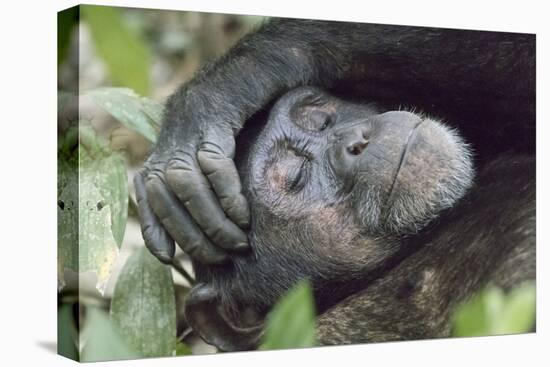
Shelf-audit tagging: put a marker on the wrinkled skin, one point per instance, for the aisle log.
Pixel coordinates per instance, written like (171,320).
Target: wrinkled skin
(189,190)
(336,188)
(393,170)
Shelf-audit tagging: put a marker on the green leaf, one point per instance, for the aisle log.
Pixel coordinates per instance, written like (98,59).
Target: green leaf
(97,248)
(154,110)
(63,99)
(144,306)
(101,341)
(492,312)
(92,206)
(67,335)
(121,48)
(108,174)
(519,313)
(66,22)
(113,186)
(182,349)
(136,113)
(67,206)
(291,323)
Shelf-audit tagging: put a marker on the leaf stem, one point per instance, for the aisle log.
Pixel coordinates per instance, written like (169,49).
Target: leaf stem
(177,266)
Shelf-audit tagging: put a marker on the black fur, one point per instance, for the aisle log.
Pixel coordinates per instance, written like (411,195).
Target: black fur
(488,239)
(481,82)
(338,230)
(410,292)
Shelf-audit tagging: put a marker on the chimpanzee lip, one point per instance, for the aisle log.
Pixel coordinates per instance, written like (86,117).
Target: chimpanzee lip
(410,139)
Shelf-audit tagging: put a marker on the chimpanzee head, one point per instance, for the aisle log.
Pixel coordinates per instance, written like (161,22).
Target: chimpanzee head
(334,188)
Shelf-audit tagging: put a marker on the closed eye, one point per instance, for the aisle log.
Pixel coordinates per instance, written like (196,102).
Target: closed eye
(297,175)
(320,120)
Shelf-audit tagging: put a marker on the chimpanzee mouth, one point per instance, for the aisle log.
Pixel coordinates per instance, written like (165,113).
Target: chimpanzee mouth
(408,143)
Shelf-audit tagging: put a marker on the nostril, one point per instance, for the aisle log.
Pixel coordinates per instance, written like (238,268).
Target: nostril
(357,148)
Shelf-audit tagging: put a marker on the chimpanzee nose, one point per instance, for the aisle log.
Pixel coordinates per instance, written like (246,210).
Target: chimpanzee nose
(356,140)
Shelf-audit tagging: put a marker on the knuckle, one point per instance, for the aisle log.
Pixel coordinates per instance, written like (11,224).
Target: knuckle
(180,168)
(222,147)
(192,247)
(154,181)
(214,228)
(182,160)
(148,233)
(139,182)
(234,203)
(210,148)
(209,159)
(212,157)
(230,202)
(153,161)
(140,174)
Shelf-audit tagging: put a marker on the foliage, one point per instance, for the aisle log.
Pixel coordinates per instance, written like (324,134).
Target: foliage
(93,197)
(108,175)
(136,113)
(492,312)
(125,54)
(67,335)
(66,21)
(67,205)
(92,215)
(93,208)
(182,349)
(63,99)
(101,341)
(291,323)
(143,307)
(92,205)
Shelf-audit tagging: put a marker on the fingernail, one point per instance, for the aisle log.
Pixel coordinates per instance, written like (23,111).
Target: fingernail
(163,257)
(245,224)
(211,257)
(241,246)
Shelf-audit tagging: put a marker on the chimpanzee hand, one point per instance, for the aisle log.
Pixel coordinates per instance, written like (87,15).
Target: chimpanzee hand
(189,190)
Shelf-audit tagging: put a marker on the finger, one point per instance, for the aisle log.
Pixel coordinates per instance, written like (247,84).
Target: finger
(216,162)
(157,240)
(186,180)
(179,224)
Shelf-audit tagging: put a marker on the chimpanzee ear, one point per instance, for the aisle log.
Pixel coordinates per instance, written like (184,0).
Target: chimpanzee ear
(207,317)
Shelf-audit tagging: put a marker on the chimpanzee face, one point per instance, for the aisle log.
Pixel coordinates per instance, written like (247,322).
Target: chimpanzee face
(390,172)
(334,187)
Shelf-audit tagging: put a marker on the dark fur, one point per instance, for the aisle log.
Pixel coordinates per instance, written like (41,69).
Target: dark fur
(339,229)
(488,239)
(481,82)
(417,282)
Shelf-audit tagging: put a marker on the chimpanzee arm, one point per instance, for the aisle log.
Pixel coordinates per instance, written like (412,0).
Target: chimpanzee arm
(189,190)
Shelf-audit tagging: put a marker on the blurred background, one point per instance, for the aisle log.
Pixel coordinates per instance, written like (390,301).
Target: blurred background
(148,53)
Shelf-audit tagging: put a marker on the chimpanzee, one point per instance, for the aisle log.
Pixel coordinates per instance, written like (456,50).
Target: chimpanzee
(482,82)
(340,195)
